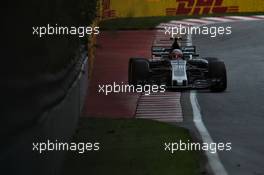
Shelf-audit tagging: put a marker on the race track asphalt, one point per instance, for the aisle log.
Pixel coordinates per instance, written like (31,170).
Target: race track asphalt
(237,115)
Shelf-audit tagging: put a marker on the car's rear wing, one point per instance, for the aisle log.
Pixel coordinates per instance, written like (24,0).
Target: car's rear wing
(164,51)
(189,51)
(160,52)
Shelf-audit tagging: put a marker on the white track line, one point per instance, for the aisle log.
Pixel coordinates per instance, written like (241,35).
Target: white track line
(259,16)
(183,23)
(218,19)
(243,18)
(199,21)
(213,159)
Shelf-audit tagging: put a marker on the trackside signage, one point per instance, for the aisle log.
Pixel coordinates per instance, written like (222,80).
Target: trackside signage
(141,8)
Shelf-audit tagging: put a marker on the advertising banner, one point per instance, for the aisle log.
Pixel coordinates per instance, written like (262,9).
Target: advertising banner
(143,8)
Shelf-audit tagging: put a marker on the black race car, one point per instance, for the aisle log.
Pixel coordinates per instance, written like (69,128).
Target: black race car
(187,72)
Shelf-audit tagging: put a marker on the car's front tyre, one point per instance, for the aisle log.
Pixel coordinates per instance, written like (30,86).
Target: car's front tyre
(138,71)
(217,74)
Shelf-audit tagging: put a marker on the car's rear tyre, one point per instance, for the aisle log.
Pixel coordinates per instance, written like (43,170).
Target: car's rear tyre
(217,74)
(138,71)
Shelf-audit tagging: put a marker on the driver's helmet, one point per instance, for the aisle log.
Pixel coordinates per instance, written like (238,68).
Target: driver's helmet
(176,54)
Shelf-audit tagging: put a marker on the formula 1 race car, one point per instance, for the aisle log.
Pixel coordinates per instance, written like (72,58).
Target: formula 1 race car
(186,71)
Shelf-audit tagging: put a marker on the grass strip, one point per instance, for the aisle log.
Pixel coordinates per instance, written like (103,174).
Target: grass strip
(132,147)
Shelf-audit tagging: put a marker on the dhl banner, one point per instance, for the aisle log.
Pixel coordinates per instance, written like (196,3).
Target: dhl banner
(142,8)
